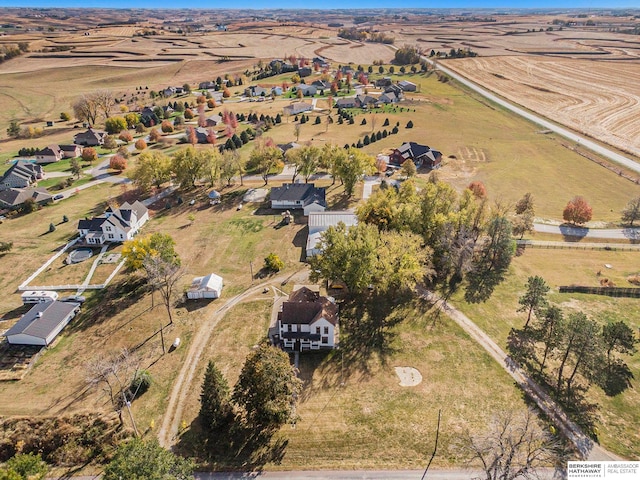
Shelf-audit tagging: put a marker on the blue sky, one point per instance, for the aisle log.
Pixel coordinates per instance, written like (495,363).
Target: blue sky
(296,4)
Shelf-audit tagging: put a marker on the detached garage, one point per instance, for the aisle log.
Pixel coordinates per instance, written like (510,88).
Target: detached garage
(41,324)
(205,287)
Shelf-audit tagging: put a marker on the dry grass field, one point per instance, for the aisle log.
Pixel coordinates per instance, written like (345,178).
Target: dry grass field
(602,102)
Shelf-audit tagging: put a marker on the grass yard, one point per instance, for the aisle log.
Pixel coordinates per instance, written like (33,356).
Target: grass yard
(370,420)
(619,416)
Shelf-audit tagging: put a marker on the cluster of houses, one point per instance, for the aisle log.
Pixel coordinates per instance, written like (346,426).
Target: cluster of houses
(19,184)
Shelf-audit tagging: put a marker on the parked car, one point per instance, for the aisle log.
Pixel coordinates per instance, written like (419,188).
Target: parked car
(58,196)
(74,299)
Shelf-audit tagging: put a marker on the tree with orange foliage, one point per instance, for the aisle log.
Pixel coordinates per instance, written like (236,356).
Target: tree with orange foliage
(89,154)
(192,138)
(118,162)
(211,136)
(126,136)
(202,120)
(226,93)
(211,103)
(154,135)
(140,144)
(478,189)
(577,211)
(201,100)
(166,126)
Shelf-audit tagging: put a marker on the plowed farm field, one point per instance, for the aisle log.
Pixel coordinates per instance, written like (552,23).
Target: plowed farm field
(598,99)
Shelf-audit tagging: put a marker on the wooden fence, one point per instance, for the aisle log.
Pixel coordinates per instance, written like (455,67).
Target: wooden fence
(609,291)
(524,244)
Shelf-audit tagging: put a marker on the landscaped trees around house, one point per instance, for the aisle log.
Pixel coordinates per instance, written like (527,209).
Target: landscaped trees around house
(352,167)
(408,169)
(189,165)
(114,125)
(28,206)
(535,298)
(406,55)
(264,158)
(306,160)
(140,144)
(166,126)
(154,135)
(89,154)
(267,388)
(76,168)
(525,215)
(118,162)
(65,117)
(110,142)
(133,119)
(152,169)
(577,211)
(138,459)
(215,400)
(125,136)
(631,212)
(86,109)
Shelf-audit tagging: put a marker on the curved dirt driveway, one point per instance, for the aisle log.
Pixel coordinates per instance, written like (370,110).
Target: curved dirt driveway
(183,383)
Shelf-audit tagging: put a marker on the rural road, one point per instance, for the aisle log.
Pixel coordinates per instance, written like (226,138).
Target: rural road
(570,231)
(184,383)
(588,449)
(585,142)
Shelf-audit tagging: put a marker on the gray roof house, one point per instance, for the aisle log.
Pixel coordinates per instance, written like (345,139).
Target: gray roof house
(296,108)
(70,151)
(348,102)
(213,120)
(299,195)
(256,91)
(41,324)
(388,97)
(307,90)
(116,225)
(14,197)
(90,138)
(407,86)
(21,174)
(364,101)
(320,222)
(419,154)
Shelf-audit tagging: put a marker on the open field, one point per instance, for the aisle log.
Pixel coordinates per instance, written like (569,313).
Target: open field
(618,416)
(603,103)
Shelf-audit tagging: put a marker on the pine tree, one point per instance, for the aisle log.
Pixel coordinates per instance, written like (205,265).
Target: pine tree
(215,409)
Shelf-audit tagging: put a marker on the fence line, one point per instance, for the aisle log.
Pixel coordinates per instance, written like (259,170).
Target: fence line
(609,291)
(577,246)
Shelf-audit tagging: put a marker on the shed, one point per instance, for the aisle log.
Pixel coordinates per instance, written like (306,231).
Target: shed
(205,287)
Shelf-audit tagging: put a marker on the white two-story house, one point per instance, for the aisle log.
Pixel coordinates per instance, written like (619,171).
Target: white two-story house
(307,321)
(116,225)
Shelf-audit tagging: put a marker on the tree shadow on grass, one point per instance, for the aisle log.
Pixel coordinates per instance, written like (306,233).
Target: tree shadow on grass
(238,447)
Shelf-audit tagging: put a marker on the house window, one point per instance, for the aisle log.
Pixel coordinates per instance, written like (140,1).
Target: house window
(107,228)
(326,330)
(289,327)
(325,340)
(318,330)
(111,235)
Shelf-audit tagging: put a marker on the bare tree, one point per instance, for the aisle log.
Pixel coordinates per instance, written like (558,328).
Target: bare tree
(163,275)
(515,446)
(113,374)
(85,109)
(104,101)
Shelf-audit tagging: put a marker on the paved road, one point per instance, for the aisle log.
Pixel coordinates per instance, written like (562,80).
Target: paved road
(585,142)
(612,233)
(587,448)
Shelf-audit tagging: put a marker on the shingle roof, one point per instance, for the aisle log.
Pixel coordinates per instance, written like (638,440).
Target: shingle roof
(306,307)
(43,319)
(293,192)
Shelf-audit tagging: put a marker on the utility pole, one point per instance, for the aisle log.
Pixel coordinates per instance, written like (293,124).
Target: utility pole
(128,405)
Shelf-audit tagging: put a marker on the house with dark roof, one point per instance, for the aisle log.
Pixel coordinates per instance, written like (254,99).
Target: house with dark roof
(407,86)
(50,154)
(296,108)
(14,197)
(21,174)
(419,154)
(41,324)
(305,196)
(304,72)
(383,82)
(285,147)
(321,84)
(116,225)
(394,89)
(90,138)
(206,85)
(365,101)
(213,120)
(307,321)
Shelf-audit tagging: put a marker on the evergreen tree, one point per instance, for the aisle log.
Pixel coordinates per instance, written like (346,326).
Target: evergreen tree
(215,409)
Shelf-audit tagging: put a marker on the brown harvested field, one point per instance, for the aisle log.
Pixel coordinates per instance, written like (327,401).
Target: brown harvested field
(602,102)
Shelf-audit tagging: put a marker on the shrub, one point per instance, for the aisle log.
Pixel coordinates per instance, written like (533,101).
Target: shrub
(141,144)
(140,383)
(409,124)
(125,136)
(154,135)
(140,128)
(52,228)
(118,162)
(272,263)
(89,154)
(65,117)
(188,114)
(6,246)
(115,125)
(166,126)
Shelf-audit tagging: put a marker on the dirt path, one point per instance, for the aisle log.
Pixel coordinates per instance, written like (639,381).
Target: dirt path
(183,384)
(587,448)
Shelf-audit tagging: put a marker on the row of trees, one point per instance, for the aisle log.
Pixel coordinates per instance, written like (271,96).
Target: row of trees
(459,235)
(570,351)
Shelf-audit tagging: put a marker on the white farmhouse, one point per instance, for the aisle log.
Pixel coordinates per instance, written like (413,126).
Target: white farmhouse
(209,286)
(116,225)
(307,321)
